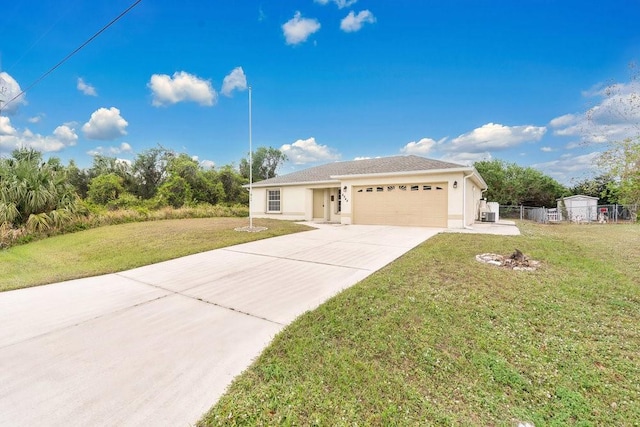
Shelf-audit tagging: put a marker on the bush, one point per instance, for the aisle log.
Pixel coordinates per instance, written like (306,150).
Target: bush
(176,192)
(124,201)
(105,188)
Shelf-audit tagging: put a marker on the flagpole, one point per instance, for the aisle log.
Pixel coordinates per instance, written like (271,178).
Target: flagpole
(250,168)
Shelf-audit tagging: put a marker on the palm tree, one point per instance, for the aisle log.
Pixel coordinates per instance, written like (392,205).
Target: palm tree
(34,193)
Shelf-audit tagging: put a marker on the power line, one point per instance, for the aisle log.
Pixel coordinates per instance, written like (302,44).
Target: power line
(66,58)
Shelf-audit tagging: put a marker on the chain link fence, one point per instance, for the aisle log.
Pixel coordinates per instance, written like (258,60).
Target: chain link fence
(583,214)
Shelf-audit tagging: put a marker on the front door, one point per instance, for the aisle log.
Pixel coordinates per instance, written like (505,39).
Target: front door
(318,204)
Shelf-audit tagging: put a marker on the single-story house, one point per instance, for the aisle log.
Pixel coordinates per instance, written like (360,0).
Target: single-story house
(578,208)
(400,190)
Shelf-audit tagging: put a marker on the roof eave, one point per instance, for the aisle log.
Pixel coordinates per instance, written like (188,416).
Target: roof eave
(405,173)
(576,196)
(280,184)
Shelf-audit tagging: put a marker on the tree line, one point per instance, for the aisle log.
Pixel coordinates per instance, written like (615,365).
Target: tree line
(511,184)
(41,194)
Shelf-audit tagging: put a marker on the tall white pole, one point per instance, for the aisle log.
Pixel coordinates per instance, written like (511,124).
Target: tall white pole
(250,168)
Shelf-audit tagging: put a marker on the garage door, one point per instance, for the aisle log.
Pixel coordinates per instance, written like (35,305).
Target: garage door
(423,204)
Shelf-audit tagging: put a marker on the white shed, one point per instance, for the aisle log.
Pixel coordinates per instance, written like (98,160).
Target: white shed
(578,208)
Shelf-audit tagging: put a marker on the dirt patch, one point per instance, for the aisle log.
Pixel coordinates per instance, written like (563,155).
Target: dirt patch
(515,261)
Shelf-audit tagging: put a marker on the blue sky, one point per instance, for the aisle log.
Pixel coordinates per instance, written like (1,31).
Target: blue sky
(331,79)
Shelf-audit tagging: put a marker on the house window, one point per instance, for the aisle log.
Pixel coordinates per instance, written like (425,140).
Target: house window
(339,200)
(273,200)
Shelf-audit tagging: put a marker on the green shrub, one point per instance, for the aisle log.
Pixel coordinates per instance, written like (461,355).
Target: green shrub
(105,188)
(176,191)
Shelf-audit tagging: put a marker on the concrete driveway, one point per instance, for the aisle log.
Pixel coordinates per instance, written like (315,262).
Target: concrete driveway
(158,345)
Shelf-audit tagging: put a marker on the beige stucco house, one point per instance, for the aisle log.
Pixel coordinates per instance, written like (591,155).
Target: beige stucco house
(399,190)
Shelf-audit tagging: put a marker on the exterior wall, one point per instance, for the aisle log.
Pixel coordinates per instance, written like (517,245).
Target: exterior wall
(296,203)
(293,203)
(455,197)
(334,214)
(472,202)
(297,200)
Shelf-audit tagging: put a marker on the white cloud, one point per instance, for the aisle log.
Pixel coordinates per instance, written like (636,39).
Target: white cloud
(352,22)
(340,3)
(466,158)
(361,158)
(111,151)
(105,124)
(235,80)
(572,145)
(493,136)
(614,117)
(546,149)
(564,121)
(421,147)
(308,151)
(86,88)
(208,164)
(568,166)
(569,125)
(298,29)
(36,119)
(9,88)
(5,127)
(66,134)
(10,138)
(181,87)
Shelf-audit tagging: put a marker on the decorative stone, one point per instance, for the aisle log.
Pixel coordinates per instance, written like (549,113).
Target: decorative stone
(517,261)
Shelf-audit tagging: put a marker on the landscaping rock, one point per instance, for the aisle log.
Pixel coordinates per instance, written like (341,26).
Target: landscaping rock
(515,261)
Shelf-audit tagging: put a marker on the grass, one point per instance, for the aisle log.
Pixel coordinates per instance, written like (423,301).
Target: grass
(437,338)
(120,247)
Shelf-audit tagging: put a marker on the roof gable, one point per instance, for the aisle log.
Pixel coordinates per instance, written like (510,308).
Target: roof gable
(578,197)
(381,165)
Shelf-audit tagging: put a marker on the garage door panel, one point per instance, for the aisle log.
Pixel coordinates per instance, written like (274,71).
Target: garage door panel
(414,204)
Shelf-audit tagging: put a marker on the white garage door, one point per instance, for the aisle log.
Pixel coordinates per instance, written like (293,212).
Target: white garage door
(423,204)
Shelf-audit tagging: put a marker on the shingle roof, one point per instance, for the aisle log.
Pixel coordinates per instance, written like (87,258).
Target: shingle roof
(380,165)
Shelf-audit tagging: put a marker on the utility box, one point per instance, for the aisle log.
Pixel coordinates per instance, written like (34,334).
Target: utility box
(488,216)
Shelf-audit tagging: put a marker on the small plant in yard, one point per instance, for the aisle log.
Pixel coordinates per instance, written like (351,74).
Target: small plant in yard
(437,338)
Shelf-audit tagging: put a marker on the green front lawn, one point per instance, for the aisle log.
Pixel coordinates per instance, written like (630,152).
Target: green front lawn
(120,247)
(437,338)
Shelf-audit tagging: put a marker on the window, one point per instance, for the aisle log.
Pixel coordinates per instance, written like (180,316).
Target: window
(379,189)
(339,200)
(426,187)
(415,187)
(391,187)
(273,200)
